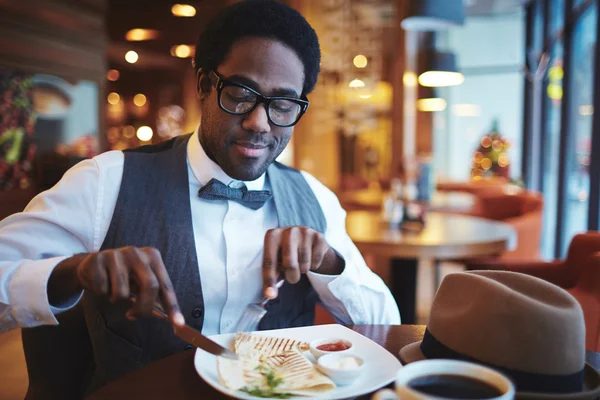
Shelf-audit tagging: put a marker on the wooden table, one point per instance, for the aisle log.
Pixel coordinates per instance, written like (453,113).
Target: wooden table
(368,199)
(445,237)
(175,377)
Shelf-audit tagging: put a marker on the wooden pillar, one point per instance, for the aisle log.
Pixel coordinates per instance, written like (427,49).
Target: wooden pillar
(398,76)
(412,131)
(425,41)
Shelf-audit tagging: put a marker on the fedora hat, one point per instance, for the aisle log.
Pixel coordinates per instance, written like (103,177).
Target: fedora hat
(525,327)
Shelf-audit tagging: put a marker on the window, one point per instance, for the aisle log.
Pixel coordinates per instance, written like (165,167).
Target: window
(538,26)
(580,125)
(489,51)
(551,146)
(557,15)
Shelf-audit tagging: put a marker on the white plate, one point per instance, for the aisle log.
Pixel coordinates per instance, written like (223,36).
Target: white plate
(381,365)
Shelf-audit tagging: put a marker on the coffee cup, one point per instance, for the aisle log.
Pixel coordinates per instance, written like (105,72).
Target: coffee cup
(448,379)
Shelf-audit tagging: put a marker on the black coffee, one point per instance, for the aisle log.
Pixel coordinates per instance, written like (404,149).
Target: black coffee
(454,387)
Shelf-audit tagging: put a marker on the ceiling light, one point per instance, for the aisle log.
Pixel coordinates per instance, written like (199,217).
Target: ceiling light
(360,61)
(144,133)
(356,83)
(439,69)
(183,10)
(182,51)
(129,131)
(113,98)
(441,78)
(113,75)
(139,100)
(431,104)
(131,57)
(138,35)
(433,15)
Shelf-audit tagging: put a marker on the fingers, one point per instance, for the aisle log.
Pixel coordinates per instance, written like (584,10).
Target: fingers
(302,249)
(305,250)
(166,290)
(319,249)
(270,270)
(290,243)
(119,272)
(92,274)
(118,276)
(140,271)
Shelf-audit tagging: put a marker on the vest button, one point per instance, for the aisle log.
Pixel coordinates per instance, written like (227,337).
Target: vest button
(197,312)
(188,347)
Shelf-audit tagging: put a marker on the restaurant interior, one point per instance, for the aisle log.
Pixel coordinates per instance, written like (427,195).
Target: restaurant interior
(462,140)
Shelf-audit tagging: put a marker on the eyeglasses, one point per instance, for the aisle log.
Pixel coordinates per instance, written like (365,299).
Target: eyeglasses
(238,99)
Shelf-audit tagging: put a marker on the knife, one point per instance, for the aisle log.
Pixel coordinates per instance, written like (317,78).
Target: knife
(195,338)
(191,335)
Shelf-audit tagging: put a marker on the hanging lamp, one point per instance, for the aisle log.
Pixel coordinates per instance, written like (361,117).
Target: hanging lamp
(433,15)
(429,101)
(439,69)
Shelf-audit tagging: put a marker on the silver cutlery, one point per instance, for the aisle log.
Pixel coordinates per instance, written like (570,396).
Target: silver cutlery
(191,335)
(253,313)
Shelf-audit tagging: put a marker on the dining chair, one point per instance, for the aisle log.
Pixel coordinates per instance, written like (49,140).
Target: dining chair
(59,358)
(522,210)
(322,317)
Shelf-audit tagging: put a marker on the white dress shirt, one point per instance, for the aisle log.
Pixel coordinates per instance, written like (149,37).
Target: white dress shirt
(74,216)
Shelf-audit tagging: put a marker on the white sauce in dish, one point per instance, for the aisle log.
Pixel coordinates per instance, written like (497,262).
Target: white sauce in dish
(344,363)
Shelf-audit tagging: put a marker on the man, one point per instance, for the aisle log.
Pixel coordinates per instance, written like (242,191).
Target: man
(205,223)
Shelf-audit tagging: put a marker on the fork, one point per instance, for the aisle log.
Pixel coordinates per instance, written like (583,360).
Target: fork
(253,313)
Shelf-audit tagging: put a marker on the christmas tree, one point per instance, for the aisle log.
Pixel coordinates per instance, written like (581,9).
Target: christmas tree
(491,158)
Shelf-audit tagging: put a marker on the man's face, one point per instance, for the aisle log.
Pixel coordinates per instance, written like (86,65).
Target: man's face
(245,145)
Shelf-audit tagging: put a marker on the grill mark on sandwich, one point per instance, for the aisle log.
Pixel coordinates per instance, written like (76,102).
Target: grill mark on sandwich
(270,346)
(283,345)
(275,345)
(297,372)
(261,347)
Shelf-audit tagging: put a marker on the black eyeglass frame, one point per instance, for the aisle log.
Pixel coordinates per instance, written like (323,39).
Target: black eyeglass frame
(220,83)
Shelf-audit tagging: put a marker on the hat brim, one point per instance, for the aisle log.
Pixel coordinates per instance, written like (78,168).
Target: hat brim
(591,378)
(411,353)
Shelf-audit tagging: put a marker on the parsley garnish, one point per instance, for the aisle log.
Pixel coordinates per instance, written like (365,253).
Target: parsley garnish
(271,380)
(267,393)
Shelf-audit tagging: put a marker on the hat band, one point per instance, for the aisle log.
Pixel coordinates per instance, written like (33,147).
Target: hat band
(524,381)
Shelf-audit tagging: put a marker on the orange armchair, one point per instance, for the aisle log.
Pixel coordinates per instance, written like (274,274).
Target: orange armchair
(523,211)
(476,187)
(579,274)
(322,317)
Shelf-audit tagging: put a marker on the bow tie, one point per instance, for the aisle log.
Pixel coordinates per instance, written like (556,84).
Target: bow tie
(217,190)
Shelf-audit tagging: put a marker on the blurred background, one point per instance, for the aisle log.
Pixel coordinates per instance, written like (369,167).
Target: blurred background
(78,77)
(477,97)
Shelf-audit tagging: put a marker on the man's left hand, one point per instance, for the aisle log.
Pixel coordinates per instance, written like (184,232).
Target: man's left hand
(293,251)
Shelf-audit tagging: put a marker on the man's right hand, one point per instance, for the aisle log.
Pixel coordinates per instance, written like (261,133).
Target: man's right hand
(113,273)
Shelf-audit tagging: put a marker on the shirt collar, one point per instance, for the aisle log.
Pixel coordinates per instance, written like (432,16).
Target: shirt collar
(205,169)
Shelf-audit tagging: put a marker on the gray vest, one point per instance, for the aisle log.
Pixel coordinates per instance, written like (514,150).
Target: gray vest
(153,209)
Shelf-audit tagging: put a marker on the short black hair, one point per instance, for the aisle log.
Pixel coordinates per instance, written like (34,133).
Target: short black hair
(260,18)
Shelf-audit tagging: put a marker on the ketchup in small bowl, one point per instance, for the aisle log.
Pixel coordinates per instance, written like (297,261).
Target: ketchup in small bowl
(335,346)
(323,346)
